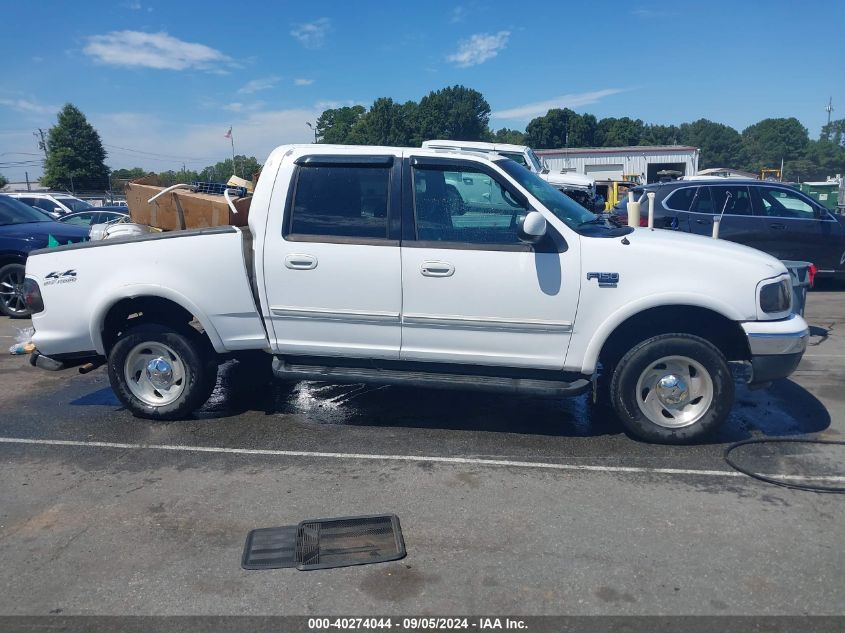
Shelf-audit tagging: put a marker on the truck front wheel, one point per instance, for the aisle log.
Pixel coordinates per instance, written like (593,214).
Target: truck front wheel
(672,389)
(159,373)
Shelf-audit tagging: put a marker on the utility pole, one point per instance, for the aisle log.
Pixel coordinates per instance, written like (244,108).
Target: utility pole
(829,109)
(28,188)
(42,144)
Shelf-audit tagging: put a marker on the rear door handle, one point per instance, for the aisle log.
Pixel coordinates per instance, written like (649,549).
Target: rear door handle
(704,221)
(437,269)
(300,262)
(778,226)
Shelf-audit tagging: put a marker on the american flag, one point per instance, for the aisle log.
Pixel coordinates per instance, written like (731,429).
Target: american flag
(229,133)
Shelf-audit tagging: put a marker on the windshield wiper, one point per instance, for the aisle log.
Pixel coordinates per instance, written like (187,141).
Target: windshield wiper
(596,220)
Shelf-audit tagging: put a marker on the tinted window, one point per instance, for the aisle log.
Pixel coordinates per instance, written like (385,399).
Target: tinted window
(81,219)
(46,204)
(464,206)
(735,200)
(341,201)
(16,212)
(680,199)
(519,158)
(75,204)
(780,203)
(703,201)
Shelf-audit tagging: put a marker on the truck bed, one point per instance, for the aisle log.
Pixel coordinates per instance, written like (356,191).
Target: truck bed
(206,271)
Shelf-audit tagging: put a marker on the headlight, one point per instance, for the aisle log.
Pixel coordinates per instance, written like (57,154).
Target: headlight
(776,296)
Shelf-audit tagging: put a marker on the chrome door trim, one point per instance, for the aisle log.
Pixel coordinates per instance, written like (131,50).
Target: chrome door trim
(350,316)
(485,323)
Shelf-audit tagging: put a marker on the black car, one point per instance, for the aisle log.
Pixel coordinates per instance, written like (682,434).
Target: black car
(96,215)
(24,229)
(769,216)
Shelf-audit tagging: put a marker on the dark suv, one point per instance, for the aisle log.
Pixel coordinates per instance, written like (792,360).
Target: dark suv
(769,216)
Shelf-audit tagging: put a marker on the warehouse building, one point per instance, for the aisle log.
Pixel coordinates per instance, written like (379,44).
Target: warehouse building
(614,163)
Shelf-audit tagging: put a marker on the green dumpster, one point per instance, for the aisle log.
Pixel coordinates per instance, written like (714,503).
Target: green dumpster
(825,193)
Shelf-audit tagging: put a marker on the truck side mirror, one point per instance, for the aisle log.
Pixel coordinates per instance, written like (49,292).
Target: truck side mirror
(532,228)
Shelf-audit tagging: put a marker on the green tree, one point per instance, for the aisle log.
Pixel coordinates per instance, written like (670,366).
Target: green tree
(119,177)
(3,181)
(721,145)
(622,132)
(75,154)
(335,124)
(660,135)
(834,132)
(822,158)
(244,167)
(505,135)
(772,140)
(456,113)
(561,127)
(386,123)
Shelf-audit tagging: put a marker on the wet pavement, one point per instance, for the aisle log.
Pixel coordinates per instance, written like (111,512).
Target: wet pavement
(118,528)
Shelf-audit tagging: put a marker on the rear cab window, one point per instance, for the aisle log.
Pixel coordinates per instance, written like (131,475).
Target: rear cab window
(345,201)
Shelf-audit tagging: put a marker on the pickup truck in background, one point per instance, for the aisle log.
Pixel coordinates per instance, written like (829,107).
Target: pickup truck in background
(579,187)
(360,264)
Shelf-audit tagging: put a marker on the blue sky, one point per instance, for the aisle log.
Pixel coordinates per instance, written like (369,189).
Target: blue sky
(162,82)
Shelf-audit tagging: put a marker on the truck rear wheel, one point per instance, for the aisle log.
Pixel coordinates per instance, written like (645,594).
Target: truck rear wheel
(159,373)
(672,389)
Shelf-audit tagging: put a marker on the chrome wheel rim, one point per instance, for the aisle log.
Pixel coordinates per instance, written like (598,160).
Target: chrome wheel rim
(155,374)
(11,292)
(674,391)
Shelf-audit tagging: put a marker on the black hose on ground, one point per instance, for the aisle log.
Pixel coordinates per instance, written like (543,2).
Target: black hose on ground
(779,482)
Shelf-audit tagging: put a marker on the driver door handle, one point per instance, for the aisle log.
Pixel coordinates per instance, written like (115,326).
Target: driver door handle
(778,226)
(704,221)
(437,269)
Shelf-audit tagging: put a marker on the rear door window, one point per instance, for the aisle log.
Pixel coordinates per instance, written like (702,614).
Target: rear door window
(680,199)
(735,200)
(340,201)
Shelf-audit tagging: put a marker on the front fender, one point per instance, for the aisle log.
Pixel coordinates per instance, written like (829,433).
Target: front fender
(615,319)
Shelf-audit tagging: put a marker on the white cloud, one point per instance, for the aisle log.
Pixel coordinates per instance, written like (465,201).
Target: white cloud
(458,14)
(479,48)
(539,108)
(256,85)
(303,82)
(312,34)
(237,106)
(153,50)
(28,105)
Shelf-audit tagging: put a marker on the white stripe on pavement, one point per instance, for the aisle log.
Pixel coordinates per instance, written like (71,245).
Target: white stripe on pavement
(409,458)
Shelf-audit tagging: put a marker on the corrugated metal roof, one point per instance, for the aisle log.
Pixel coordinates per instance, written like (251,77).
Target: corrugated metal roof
(636,149)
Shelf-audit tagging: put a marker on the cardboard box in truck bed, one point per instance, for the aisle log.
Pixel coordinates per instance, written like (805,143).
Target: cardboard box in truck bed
(182,208)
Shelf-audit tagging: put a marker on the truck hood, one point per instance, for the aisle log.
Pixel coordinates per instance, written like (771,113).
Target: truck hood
(568,179)
(705,255)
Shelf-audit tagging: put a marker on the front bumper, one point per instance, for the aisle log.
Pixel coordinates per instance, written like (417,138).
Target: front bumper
(776,347)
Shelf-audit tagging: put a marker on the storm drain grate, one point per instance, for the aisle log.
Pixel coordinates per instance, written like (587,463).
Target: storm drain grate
(325,543)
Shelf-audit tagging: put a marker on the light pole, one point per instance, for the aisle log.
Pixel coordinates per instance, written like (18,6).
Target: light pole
(308,123)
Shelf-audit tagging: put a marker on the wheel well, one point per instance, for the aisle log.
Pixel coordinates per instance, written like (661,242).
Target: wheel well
(724,334)
(9,258)
(130,312)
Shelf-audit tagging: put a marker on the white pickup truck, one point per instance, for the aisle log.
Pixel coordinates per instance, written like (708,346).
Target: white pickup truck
(367,264)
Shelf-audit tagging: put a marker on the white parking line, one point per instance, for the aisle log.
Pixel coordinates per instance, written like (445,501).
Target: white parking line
(411,458)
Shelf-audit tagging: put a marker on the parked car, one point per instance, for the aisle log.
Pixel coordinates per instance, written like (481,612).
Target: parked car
(769,216)
(369,270)
(579,187)
(97,215)
(22,230)
(56,204)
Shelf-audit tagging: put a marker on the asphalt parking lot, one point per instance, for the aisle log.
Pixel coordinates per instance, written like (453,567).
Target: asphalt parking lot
(508,505)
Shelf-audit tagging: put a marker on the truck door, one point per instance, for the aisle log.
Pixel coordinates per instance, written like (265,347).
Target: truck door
(472,291)
(332,264)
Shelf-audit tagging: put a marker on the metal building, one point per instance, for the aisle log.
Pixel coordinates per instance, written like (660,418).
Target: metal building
(612,163)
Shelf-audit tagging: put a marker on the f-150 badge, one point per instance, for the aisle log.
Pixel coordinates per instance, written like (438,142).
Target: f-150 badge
(606,280)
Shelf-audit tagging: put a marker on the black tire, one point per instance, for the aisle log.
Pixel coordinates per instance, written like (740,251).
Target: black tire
(11,299)
(627,373)
(195,355)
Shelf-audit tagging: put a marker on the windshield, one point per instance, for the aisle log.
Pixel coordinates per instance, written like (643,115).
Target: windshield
(565,208)
(75,204)
(15,212)
(538,166)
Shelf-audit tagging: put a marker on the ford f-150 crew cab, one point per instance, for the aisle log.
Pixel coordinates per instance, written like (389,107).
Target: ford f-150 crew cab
(376,264)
